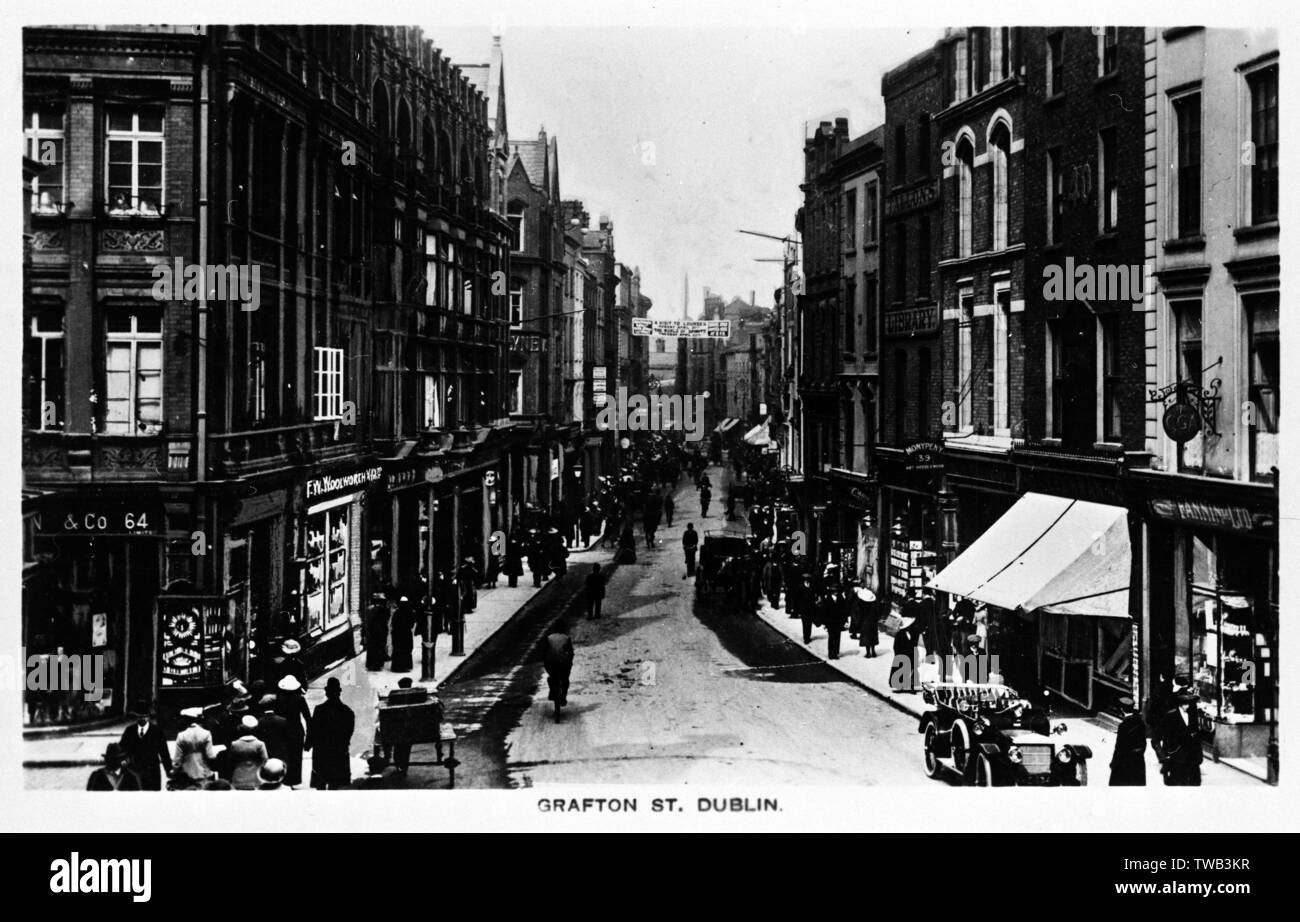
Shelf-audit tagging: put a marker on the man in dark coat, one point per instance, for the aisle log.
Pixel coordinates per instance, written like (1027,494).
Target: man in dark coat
(705,496)
(405,620)
(514,562)
(1128,766)
(690,541)
(557,657)
(669,505)
(114,775)
(807,606)
(274,731)
(537,559)
(331,732)
(834,613)
(902,672)
(1179,741)
(146,752)
(595,591)
(377,633)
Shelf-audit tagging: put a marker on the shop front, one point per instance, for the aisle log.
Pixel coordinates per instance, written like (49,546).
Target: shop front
(88,600)
(910,535)
(1054,576)
(332,562)
(855,534)
(1213,612)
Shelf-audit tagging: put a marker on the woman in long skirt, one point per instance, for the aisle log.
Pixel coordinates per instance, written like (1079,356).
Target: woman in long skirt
(868,627)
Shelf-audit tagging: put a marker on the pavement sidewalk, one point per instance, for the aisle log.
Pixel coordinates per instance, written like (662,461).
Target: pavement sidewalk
(496,607)
(873,675)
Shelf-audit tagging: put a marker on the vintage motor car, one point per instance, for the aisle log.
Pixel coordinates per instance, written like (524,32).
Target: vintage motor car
(721,556)
(991,736)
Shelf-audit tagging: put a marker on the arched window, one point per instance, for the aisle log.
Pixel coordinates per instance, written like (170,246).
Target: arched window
(444,156)
(965,185)
(1000,154)
(404,138)
(480,178)
(429,148)
(379,110)
(465,174)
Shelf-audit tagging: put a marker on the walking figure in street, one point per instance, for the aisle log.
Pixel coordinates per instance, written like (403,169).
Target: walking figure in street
(1176,737)
(595,591)
(196,754)
(705,496)
(557,657)
(113,775)
(690,542)
(146,751)
(669,507)
(1128,766)
(331,732)
(834,610)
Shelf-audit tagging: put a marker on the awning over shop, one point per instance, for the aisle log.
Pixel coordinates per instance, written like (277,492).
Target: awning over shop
(1050,553)
(758,436)
(726,424)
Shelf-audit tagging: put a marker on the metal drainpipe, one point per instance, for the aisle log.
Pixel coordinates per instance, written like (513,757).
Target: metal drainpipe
(201,408)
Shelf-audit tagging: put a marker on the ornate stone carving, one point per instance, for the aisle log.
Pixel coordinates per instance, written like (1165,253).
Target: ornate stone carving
(146,241)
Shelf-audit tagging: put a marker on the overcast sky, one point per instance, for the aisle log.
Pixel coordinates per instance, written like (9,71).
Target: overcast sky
(685,135)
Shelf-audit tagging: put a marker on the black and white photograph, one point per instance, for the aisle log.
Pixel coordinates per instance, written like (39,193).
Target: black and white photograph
(648,411)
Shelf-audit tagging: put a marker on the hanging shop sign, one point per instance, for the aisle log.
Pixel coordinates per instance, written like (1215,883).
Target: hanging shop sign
(1192,409)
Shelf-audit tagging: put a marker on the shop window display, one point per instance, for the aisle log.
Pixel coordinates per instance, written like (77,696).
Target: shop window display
(1225,639)
(326,575)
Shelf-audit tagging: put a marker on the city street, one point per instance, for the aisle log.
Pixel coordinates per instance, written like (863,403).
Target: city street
(668,691)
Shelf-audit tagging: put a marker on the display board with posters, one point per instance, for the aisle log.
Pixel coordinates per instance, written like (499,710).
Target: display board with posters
(193,635)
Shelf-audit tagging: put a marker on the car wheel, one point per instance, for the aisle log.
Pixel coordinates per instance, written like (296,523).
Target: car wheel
(984,772)
(963,752)
(933,767)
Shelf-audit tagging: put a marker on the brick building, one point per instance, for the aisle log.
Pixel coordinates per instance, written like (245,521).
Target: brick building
(911,357)
(218,477)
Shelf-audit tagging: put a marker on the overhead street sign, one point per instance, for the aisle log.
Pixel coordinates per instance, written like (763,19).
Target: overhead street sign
(688,329)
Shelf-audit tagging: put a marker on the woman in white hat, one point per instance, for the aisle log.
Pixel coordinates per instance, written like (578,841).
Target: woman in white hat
(292,706)
(866,621)
(247,756)
(195,753)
